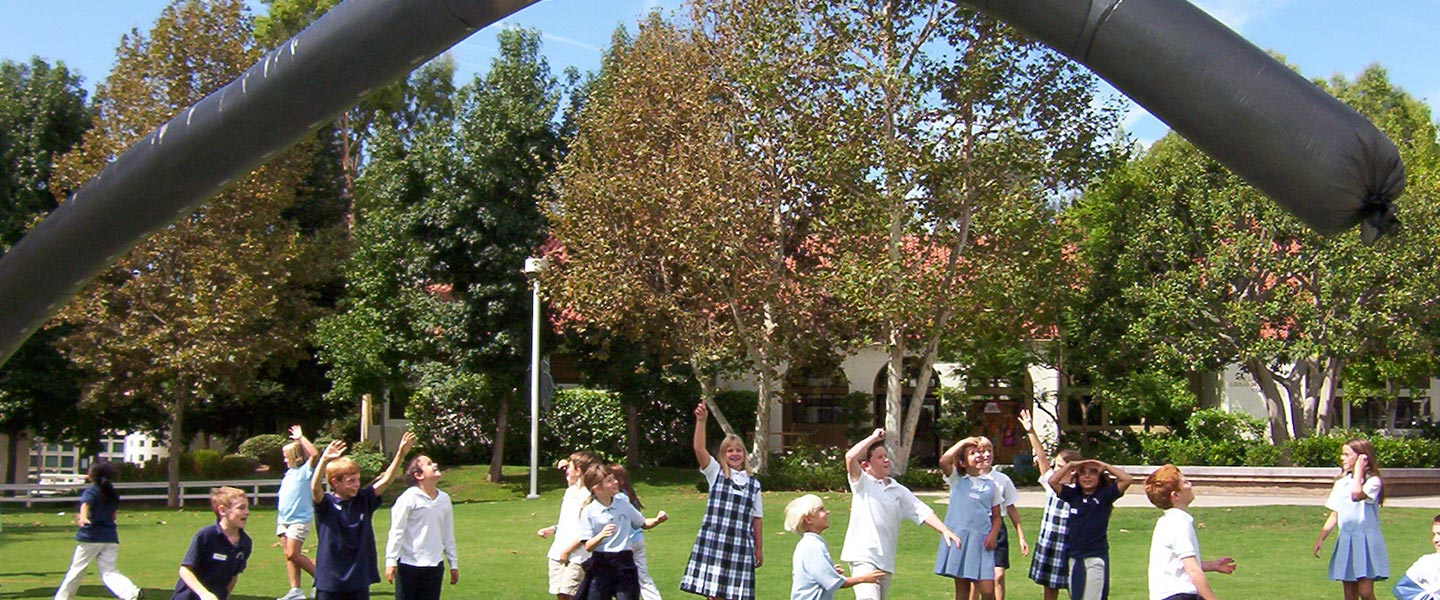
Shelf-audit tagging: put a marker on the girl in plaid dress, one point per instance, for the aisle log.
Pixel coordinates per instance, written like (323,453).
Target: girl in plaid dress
(1047,568)
(728,547)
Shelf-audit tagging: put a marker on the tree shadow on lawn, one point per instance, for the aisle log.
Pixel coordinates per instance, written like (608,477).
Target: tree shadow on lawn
(95,591)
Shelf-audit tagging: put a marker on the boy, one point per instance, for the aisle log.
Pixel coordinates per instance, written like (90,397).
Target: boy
(566,553)
(218,552)
(877,505)
(345,562)
(293,509)
(813,576)
(422,534)
(1176,571)
(1422,579)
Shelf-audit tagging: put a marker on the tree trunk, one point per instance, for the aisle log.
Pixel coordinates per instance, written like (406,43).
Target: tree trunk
(894,382)
(1330,383)
(12,445)
(497,450)
(1278,429)
(632,436)
(177,451)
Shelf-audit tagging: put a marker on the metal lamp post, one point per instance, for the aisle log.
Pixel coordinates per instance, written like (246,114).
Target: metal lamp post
(534,267)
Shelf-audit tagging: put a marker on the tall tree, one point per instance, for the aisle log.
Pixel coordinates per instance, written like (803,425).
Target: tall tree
(192,313)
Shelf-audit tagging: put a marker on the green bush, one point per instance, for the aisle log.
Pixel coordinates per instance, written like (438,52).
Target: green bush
(1263,454)
(583,419)
(452,414)
(370,459)
(234,466)
(806,467)
(917,478)
(739,408)
(1406,452)
(1114,446)
(1317,451)
(200,463)
(267,449)
(1217,425)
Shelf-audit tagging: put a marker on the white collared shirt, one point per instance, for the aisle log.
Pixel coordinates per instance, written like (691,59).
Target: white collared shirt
(712,473)
(422,530)
(567,529)
(1173,541)
(876,509)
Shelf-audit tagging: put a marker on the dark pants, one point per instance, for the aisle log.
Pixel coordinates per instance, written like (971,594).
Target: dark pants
(1184,597)
(1002,547)
(418,583)
(610,575)
(360,594)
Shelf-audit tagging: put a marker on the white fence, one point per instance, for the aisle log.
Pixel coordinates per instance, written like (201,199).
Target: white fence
(31,494)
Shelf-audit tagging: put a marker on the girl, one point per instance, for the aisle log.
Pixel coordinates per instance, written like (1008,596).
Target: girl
(1359,557)
(566,553)
(1008,497)
(1090,500)
(98,540)
(813,575)
(605,526)
(1047,567)
(974,516)
(648,590)
(728,547)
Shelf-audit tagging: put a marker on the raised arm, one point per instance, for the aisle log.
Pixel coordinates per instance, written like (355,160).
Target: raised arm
(950,459)
(298,434)
(383,481)
(1122,479)
(856,453)
(702,455)
(1357,479)
(1057,479)
(335,450)
(1041,460)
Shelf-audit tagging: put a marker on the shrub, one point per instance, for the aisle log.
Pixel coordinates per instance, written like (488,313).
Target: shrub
(1263,454)
(370,459)
(1317,451)
(806,467)
(917,478)
(200,464)
(1114,446)
(1406,452)
(1217,425)
(586,419)
(234,466)
(266,449)
(739,408)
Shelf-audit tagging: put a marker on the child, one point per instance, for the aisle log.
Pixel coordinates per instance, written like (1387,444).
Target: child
(293,509)
(648,590)
(422,534)
(812,574)
(877,504)
(729,545)
(1008,497)
(97,537)
(566,554)
(1359,556)
(605,526)
(345,563)
(218,553)
(1090,501)
(1047,567)
(974,516)
(1176,571)
(1422,580)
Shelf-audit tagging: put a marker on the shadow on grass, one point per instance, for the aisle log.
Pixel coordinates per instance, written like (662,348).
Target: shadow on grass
(99,591)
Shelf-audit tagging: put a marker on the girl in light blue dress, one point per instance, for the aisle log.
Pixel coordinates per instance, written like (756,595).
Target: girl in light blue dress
(1359,558)
(974,516)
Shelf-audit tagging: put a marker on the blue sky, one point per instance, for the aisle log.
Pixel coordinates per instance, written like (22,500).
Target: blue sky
(1321,37)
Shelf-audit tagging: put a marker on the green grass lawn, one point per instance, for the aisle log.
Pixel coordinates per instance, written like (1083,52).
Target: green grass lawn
(500,556)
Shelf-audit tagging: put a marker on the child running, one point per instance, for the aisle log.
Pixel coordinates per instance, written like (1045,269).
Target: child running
(98,540)
(1008,497)
(729,546)
(1359,556)
(422,535)
(1047,567)
(1422,579)
(1091,500)
(566,553)
(218,553)
(294,509)
(813,576)
(1176,571)
(877,505)
(648,590)
(344,522)
(974,516)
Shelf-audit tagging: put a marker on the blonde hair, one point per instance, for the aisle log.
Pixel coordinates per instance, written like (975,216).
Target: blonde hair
(799,508)
(295,454)
(733,440)
(340,467)
(224,497)
(984,442)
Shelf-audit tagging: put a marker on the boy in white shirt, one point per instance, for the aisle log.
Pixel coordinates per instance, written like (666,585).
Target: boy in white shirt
(566,552)
(422,534)
(1422,579)
(878,504)
(1176,571)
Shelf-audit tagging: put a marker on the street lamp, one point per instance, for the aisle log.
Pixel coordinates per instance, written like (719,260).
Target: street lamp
(534,267)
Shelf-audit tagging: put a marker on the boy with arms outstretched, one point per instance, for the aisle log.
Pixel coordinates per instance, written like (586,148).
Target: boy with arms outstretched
(345,563)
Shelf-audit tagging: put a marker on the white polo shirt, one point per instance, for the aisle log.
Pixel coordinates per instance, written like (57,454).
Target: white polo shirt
(1174,540)
(567,529)
(876,510)
(422,530)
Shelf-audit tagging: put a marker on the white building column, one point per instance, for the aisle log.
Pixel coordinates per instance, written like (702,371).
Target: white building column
(1046,392)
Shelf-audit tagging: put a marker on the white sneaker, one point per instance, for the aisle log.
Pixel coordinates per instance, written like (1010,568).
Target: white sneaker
(293,594)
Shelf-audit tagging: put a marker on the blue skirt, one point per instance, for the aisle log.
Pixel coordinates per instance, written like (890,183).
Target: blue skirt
(1359,555)
(970,561)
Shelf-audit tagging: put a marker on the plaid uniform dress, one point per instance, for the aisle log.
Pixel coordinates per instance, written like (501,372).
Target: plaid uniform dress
(722,561)
(1047,567)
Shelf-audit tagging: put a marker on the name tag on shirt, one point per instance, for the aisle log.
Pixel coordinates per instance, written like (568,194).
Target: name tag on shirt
(218,556)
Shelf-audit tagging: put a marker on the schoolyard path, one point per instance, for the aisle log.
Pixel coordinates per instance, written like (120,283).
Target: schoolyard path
(1208,498)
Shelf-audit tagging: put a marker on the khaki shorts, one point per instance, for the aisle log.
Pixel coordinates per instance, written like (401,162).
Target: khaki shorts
(294,531)
(565,577)
(869,591)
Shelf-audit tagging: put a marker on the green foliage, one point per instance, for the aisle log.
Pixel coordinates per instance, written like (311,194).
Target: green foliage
(917,478)
(370,459)
(739,407)
(1390,452)
(452,415)
(1316,450)
(1167,448)
(1151,397)
(583,419)
(1214,424)
(954,422)
(266,448)
(806,467)
(1114,446)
